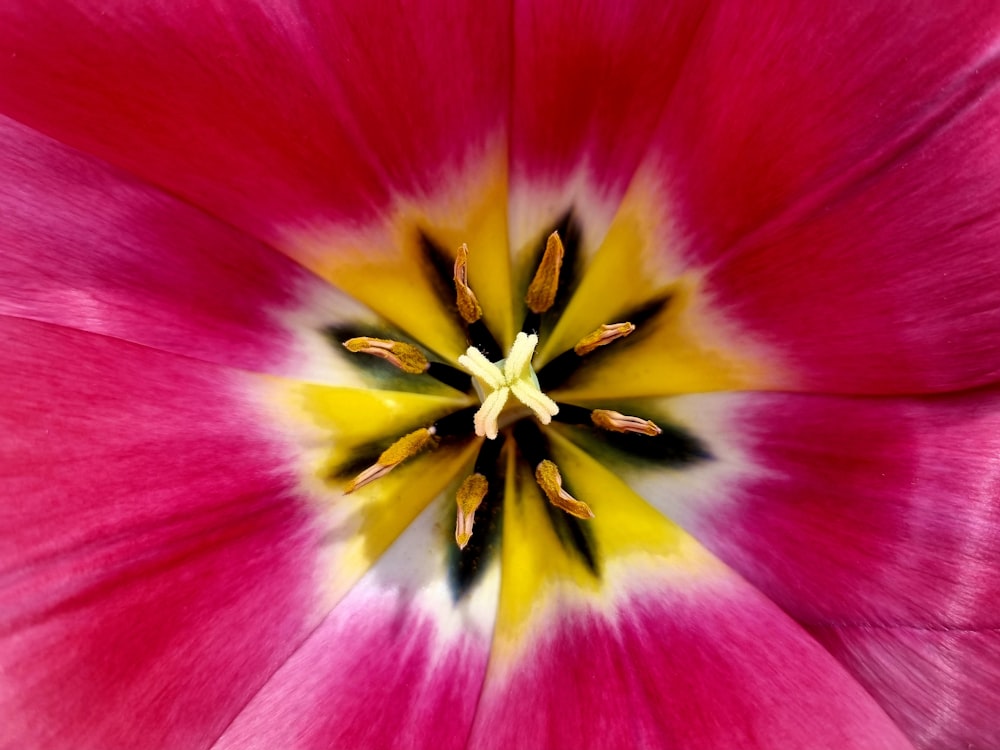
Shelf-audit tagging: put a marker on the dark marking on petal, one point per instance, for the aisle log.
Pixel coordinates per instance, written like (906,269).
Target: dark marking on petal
(466,566)
(560,370)
(451,376)
(480,337)
(377,372)
(674,448)
(573,533)
(573,414)
(571,233)
(458,424)
(575,536)
(440,270)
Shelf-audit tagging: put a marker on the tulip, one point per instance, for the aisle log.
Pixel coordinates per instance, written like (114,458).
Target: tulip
(499,375)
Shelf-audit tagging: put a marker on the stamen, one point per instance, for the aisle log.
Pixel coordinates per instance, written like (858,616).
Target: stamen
(602,336)
(465,298)
(550,480)
(469,498)
(404,356)
(618,422)
(542,290)
(512,375)
(406,447)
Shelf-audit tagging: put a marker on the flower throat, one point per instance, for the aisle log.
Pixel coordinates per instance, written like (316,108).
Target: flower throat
(514,406)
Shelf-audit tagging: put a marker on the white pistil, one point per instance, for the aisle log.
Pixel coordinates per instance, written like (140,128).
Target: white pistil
(510,376)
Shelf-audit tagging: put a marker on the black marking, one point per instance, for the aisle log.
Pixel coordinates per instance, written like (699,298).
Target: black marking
(440,271)
(570,232)
(558,371)
(451,376)
(459,423)
(673,448)
(466,567)
(532,323)
(573,414)
(574,534)
(359,459)
(530,441)
(375,370)
(480,337)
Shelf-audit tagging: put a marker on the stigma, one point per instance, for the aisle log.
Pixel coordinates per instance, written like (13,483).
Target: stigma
(498,381)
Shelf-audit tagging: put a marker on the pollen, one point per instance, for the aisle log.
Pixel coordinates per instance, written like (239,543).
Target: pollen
(542,290)
(602,336)
(550,480)
(500,380)
(406,447)
(465,298)
(468,499)
(406,357)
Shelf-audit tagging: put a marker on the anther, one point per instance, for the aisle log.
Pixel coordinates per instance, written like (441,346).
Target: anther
(406,447)
(404,356)
(469,497)
(550,480)
(602,336)
(465,298)
(618,422)
(542,290)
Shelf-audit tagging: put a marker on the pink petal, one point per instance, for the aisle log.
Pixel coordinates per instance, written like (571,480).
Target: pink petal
(84,246)
(157,561)
(590,83)
(688,664)
(779,104)
(268,114)
(939,686)
(396,664)
(847,511)
(867,174)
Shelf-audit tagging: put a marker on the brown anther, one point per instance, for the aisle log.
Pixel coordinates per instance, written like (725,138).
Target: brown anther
(542,290)
(602,336)
(406,447)
(469,498)
(465,299)
(618,422)
(406,357)
(550,480)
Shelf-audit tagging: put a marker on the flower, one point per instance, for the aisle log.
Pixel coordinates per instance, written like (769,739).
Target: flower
(794,205)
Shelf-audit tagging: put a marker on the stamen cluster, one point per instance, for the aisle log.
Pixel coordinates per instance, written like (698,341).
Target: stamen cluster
(495,382)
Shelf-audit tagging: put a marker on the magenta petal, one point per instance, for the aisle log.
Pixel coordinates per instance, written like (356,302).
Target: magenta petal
(397,663)
(697,667)
(843,210)
(268,114)
(776,103)
(84,246)
(877,511)
(939,686)
(572,110)
(156,561)
(893,285)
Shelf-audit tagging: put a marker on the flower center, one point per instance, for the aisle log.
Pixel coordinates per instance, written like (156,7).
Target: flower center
(495,382)
(513,405)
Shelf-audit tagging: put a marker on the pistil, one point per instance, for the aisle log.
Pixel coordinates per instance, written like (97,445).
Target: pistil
(512,375)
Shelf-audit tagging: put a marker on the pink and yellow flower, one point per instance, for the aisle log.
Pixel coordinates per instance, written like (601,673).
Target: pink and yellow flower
(765,515)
